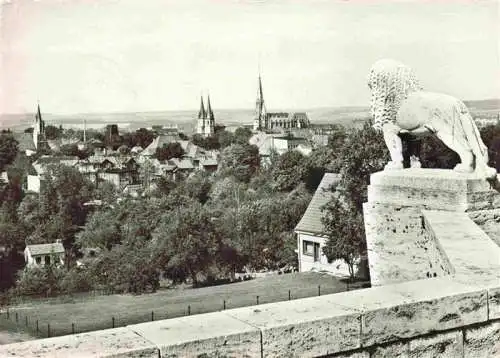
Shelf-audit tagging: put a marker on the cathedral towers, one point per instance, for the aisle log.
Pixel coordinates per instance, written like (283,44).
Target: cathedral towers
(206,120)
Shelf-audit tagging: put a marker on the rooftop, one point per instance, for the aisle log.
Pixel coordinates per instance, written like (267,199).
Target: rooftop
(311,220)
(43,249)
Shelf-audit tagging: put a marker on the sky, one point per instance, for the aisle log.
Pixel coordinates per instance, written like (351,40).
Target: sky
(80,56)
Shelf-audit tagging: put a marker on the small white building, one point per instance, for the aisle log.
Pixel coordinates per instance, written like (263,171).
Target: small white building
(311,237)
(44,254)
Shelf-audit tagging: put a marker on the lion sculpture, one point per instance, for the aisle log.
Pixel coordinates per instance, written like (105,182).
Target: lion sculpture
(399,105)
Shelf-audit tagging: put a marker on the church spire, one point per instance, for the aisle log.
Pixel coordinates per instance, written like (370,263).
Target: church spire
(260,112)
(202,114)
(210,113)
(260,95)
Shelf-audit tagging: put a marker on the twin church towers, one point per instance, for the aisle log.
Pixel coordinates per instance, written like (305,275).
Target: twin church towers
(206,119)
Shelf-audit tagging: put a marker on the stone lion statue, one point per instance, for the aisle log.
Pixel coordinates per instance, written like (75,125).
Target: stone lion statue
(400,107)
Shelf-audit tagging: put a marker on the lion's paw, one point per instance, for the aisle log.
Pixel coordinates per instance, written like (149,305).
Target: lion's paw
(394,165)
(463,168)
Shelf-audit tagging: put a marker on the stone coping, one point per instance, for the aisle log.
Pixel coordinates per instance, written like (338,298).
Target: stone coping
(437,179)
(316,326)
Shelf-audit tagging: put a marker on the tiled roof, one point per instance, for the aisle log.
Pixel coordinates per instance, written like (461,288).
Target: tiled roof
(209,162)
(311,220)
(263,141)
(43,249)
(159,142)
(40,165)
(185,164)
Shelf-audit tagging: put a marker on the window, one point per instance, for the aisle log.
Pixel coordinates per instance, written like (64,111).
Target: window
(38,260)
(47,260)
(310,248)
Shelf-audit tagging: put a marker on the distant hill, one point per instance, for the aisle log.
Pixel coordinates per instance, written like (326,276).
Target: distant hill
(186,120)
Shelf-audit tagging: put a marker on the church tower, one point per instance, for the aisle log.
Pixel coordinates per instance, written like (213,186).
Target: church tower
(202,116)
(206,119)
(38,129)
(210,122)
(260,110)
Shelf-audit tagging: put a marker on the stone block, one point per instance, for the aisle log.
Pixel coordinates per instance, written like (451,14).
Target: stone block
(305,328)
(399,350)
(410,309)
(494,301)
(467,247)
(483,341)
(437,189)
(358,354)
(399,248)
(443,345)
(116,343)
(208,335)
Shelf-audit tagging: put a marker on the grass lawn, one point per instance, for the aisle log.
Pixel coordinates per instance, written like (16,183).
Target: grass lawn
(97,312)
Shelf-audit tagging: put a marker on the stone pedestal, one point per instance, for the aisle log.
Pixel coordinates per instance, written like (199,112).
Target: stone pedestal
(399,247)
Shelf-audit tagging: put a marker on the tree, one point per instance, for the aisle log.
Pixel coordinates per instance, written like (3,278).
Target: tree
(188,242)
(289,171)
(169,151)
(320,161)
(224,138)
(52,132)
(240,160)
(242,135)
(8,149)
(364,152)
(346,236)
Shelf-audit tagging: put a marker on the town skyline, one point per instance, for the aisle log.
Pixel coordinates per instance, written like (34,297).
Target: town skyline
(113,57)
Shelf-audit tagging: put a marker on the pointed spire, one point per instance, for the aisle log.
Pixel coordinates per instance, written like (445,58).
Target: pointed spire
(202,113)
(260,94)
(38,111)
(210,113)
(84,130)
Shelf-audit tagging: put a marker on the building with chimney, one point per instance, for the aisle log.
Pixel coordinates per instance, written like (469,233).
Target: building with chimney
(268,121)
(206,120)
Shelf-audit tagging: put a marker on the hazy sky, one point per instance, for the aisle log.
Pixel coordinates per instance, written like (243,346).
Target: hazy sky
(128,55)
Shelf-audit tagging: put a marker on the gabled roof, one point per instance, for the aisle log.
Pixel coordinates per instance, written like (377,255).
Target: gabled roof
(208,162)
(184,163)
(159,142)
(263,141)
(40,165)
(44,249)
(311,220)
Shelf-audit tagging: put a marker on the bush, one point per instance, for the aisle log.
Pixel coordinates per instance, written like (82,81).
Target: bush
(40,281)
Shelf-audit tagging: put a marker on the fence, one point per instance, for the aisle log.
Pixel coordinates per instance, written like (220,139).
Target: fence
(35,323)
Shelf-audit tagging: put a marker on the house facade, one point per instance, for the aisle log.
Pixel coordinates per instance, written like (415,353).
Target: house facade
(44,254)
(311,233)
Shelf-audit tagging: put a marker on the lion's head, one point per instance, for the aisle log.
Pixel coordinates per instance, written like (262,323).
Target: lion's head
(390,82)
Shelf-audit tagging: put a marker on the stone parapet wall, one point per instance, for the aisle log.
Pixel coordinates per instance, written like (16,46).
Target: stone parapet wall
(455,315)
(399,247)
